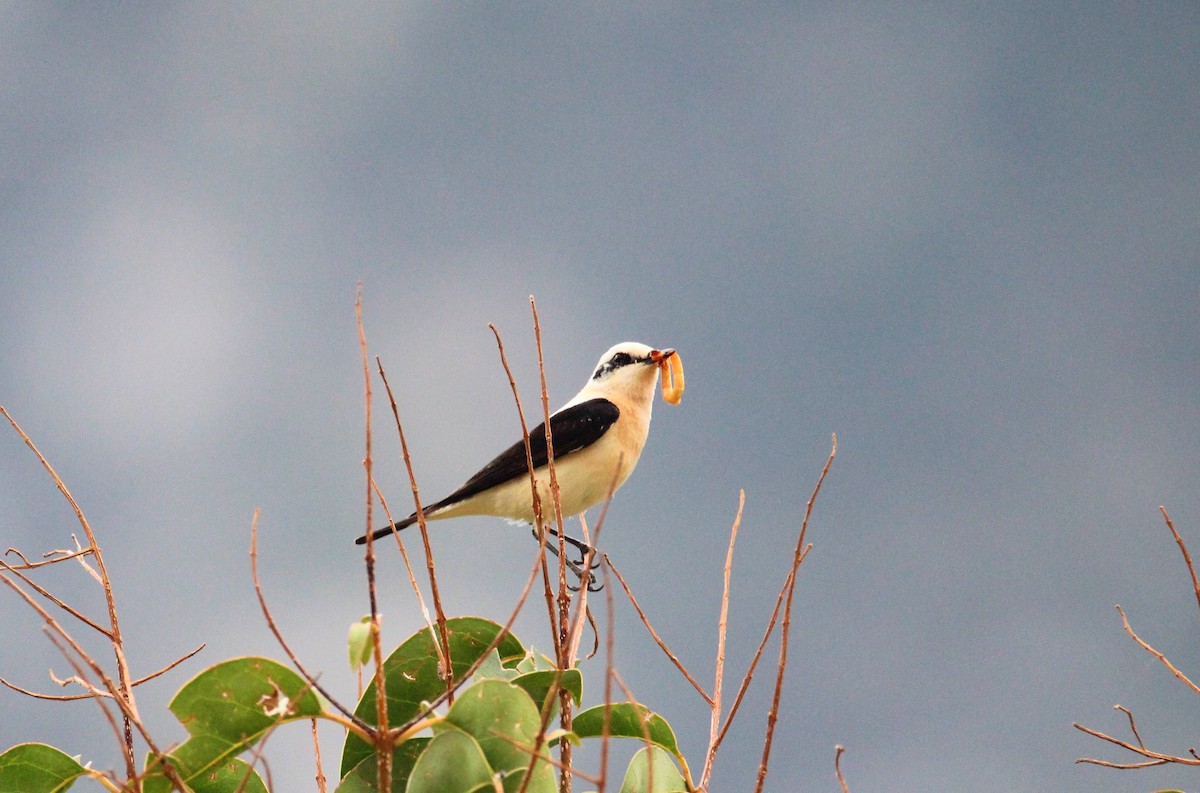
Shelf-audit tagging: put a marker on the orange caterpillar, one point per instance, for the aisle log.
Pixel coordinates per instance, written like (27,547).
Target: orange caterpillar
(672,373)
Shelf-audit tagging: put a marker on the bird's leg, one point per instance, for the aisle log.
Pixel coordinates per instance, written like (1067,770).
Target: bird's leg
(583,548)
(575,567)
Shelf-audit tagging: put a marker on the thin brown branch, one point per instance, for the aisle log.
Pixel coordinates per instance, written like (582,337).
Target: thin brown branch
(1158,757)
(114,634)
(654,634)
(117,693)
(781,667)
(749,675)
(320,771)
(80,677)
(585,566)
(443,643)
(1187,558)
(1132,724)
(383,756)
(837,767)
(56,601)
(608,678)
(722,629)
(96,693)
(412,578)
(274,628)
(53,557)
(1162,658)
(539,522)
(560,638)
(1123,766)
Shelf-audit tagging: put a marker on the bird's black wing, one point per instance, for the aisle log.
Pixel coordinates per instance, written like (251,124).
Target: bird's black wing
(571,429)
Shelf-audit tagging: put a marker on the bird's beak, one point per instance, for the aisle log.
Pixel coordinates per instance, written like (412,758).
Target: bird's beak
(658,356)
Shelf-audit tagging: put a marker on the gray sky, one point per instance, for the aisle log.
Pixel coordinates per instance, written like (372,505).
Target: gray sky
(965,239)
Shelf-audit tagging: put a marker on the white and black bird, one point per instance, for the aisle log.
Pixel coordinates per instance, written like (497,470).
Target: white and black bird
(597,439)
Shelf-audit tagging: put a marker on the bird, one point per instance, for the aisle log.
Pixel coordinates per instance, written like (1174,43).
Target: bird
(597,437)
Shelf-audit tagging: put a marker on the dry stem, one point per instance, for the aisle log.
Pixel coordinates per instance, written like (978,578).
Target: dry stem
(125,689)
(1153,758)
(790,586)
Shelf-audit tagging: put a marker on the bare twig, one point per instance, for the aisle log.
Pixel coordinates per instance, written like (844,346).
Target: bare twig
(1187,558)
(722,625)
(1132,724)
(797,559)
(561,639)
(364,729)
(74,697)
(383,755)
(837,767)
(585,578)
(1158,757)
(608,680)
(56,601)
(654,634)
(1162,658)
(442,645)
(540,523)
(119,695)
(53,557)
(125,689)
(1153,758)
(320,772)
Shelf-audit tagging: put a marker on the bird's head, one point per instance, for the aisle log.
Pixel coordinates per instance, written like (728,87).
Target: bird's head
(630,368)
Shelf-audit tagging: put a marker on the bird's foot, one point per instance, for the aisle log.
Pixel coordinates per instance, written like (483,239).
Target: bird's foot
(576,567)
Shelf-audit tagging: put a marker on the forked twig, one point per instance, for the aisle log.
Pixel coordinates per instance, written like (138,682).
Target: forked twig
(74,697)
(797,559)
(53,557)
(1153,758)
(383,753)
(105,632)
(125,688)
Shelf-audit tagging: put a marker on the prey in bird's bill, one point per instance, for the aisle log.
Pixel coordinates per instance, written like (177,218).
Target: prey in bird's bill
(597,437)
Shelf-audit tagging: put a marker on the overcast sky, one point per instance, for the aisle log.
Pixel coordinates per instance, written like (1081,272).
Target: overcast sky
(965,239)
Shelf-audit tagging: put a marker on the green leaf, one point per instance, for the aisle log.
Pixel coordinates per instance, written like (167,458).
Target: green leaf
(229,776)
(227,708)
(538,684)
(452,763)
(364,777)
(37,768)
(652,771)
(359,643)
(412,676)
(502,718)
(627,721)
(492,668)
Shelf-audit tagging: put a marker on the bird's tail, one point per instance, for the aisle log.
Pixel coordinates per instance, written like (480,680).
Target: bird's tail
(381,533)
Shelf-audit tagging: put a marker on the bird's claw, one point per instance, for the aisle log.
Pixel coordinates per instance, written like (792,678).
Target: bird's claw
(576,566)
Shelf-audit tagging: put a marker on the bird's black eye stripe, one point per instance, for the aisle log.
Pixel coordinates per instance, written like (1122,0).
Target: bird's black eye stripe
(616,362)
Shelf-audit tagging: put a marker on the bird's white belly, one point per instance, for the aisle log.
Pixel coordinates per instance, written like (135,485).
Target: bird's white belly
(584,477)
